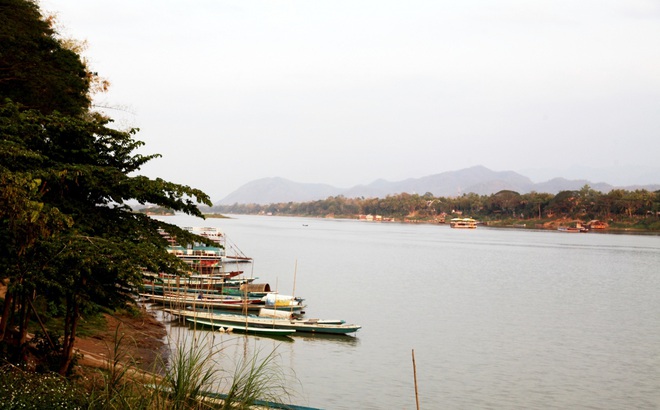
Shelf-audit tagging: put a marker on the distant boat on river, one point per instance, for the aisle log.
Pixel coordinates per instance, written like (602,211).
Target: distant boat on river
(463,223)
(574,229)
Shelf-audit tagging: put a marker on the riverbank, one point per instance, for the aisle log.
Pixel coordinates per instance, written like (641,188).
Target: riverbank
(143,338)
(143,341)
(633,226)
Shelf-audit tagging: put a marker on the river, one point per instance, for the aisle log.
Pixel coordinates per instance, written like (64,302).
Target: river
(497,318)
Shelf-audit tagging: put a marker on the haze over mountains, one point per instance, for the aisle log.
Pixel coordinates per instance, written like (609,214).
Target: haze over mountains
(478,179)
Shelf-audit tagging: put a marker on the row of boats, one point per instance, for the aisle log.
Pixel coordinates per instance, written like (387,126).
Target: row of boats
(212,296)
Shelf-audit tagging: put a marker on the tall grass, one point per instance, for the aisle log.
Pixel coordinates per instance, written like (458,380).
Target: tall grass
(116,386)
(256,379)
(193,372)
(194,379)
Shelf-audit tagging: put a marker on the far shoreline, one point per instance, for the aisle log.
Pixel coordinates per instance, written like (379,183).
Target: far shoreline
(552,224)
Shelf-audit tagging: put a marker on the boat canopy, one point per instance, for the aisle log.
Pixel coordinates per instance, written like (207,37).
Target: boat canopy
(255,287)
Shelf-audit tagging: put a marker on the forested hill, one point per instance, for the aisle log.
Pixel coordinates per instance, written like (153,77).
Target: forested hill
(478,180)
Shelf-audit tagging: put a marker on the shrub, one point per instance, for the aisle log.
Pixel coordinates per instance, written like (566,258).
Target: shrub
(20,389)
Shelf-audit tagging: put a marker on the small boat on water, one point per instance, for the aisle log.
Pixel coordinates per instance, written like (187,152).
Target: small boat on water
(573,229)
(243,328)
(463,223)
(212,301)
(194,280)
(299,325)
(159,284)
(204,259)
(224,302)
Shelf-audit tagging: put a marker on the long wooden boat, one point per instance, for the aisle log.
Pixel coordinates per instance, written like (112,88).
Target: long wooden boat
(215,302)
(159,284)
(243,328)
(299,325)
(182,301)
(155,289)
(201,281)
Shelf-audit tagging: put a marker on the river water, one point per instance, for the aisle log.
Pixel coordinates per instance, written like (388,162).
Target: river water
(497,318)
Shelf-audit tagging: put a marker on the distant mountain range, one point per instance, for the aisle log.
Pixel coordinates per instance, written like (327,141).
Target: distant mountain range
(479,180)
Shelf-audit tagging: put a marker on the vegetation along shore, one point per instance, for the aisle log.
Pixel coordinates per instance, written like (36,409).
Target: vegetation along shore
(618,210)
(74,253)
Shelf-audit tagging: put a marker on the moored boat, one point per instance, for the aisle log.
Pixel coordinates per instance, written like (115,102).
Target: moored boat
(215,302)
(195,281)
(243,328)
(299,325)
(202,258)
(159,284)
(574,229)
(281,301)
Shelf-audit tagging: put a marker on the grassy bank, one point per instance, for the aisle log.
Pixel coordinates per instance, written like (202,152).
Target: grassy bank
(124,362)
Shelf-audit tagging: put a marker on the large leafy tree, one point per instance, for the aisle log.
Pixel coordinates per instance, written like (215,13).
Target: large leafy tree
(68,234)
(35,66)
(505,202)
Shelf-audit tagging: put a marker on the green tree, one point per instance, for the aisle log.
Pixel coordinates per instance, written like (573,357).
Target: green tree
(535,203)
(610,203)
(36,68)
(632,201)
(564,203)
(505,202)
(68,234)
(588,200)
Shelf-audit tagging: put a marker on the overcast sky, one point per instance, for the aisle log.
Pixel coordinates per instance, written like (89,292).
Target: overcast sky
(346,92)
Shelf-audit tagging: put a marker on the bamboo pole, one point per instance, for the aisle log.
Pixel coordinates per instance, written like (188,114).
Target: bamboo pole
(295,271)
(415,377)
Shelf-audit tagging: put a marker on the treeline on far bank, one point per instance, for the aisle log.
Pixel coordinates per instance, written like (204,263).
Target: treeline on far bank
(639,209)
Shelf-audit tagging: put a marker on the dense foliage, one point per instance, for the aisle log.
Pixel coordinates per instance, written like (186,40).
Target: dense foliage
(70,241)
(35,66)
(586,204)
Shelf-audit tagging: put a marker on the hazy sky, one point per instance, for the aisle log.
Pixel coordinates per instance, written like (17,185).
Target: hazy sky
(346,92)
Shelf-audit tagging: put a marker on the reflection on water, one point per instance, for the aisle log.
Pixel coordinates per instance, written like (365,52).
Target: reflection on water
(321,339)
(497,318)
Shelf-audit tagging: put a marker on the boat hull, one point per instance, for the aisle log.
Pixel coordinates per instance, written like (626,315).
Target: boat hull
(242,328)
(252,305)
(300,326)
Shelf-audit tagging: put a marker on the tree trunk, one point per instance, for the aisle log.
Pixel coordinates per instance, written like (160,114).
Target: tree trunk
(24,318)
(70,327)
(6,314)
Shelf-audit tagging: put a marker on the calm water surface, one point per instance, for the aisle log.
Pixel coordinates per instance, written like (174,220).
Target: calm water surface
(498,319)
